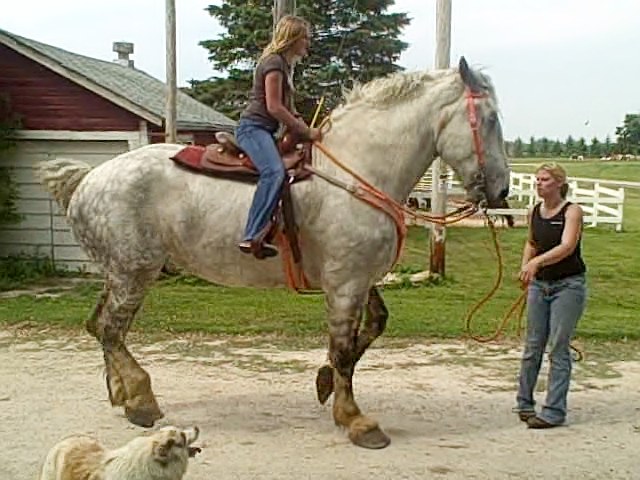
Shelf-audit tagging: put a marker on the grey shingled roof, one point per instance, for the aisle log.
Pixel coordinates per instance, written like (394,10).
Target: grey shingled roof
(131,84)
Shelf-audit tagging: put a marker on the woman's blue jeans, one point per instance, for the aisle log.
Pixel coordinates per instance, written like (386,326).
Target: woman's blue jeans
(554,308)
(259,144)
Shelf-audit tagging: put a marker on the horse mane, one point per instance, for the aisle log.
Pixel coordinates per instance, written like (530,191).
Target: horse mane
(401,86)
(389,89)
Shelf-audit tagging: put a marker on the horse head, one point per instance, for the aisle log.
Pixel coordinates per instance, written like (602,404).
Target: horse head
(469,139)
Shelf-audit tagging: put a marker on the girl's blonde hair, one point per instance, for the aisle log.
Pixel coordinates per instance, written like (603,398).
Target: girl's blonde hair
(288,30)
(558,173)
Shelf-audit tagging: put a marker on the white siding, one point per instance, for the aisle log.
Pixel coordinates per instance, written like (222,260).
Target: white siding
(43,230)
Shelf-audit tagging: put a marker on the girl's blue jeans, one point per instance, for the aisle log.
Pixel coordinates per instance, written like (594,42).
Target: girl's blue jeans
(260,145)
(554,308)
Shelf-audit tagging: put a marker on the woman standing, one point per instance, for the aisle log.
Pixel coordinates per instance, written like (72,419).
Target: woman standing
(554,273)
(269,107)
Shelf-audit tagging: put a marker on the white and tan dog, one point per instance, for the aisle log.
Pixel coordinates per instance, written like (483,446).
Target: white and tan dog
(162,455)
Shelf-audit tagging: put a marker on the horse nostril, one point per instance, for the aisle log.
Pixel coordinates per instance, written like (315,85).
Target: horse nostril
(504,193)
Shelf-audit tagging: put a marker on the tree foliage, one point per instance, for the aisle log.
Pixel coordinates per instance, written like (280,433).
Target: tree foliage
(351,41)
(628,135)
(517,148)
(595,149)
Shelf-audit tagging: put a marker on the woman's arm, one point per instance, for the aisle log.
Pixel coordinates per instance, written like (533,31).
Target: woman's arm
(528,253)
(529,250)
(276,108)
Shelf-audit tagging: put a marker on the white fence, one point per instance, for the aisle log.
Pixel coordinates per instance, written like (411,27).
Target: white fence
(601,204)
(601,200)
(422,191)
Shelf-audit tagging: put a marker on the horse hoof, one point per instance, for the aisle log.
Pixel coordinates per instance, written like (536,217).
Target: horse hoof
(373,439)
(143,417)
(324,383)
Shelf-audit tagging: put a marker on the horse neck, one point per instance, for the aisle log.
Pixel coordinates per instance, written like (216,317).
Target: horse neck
(389,147)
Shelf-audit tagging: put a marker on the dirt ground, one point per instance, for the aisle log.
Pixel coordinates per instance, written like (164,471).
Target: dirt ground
(447,408)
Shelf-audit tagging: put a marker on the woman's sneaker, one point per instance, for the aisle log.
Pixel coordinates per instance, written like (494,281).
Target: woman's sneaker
(525,415)
(539,423)
(263,250)
(245,246)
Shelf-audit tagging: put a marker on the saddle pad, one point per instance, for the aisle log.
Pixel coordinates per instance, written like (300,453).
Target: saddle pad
(190,156)
(193,157)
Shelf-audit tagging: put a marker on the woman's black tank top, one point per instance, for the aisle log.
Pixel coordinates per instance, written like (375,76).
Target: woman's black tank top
(547,233)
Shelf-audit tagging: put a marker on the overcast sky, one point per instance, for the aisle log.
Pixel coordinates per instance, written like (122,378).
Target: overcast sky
(560,67)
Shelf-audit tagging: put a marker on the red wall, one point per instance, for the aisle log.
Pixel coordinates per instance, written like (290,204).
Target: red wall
(45,100)
(200,137)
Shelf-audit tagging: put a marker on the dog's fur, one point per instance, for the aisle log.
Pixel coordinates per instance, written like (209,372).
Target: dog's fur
(162,455)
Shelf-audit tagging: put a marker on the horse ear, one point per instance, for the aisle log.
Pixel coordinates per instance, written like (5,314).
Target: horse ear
(468,77)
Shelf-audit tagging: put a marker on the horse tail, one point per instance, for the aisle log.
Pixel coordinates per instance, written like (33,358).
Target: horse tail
(61,177)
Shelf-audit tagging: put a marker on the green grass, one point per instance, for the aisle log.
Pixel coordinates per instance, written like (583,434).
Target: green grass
(438,310)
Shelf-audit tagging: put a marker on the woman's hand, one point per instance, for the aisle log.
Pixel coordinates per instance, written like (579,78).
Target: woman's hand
(529,270)
(314,134)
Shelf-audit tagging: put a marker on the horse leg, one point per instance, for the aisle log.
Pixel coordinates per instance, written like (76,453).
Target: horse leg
(116,391)
(128,383)
(91,325)
(345,312)
(376,315)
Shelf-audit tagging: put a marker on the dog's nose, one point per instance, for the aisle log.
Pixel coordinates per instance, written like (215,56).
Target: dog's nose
(504,193)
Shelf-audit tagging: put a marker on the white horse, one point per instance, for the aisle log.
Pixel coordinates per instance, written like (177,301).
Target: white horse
(136,211)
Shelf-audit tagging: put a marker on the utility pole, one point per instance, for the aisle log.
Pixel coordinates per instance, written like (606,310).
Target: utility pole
(170,129)
(282,8)
(438,179)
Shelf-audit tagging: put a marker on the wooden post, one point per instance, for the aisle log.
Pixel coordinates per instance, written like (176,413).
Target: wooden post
(439,180)
(282,8)
(170,129)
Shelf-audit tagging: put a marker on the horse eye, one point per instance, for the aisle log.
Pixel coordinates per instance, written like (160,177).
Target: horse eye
(493,118)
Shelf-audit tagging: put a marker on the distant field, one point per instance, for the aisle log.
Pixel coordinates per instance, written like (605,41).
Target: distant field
(626,171)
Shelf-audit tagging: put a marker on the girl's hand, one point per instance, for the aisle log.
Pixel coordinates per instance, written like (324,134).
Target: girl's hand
(314,134)
(529,270)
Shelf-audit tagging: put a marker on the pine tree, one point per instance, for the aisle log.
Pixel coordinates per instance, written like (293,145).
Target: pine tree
(351,41)
(628,134)
(517,148)
(570,146)
(608,146)
(531,147)
(544,147)
(595,149)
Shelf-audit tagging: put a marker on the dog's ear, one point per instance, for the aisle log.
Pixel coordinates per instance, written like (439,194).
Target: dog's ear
(191,434)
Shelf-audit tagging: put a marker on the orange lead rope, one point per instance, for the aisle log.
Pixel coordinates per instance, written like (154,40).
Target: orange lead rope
(517,306)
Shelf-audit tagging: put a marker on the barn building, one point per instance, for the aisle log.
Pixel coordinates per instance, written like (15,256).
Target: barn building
(78,107)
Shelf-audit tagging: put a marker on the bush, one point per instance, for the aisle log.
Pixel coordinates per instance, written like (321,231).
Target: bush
(8,197)
(17,270)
